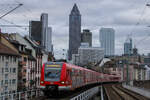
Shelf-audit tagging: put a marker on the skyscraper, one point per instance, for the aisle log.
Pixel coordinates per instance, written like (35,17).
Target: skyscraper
(35,29)
(44,20)
(128,46)
(86,37)
(48,41)
(40,32)
(74,31)
(107,40)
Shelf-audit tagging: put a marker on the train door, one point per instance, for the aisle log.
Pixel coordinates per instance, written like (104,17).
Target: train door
(68,77)
(73,78)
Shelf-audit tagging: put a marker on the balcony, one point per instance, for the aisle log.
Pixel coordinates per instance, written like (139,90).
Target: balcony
(22,63)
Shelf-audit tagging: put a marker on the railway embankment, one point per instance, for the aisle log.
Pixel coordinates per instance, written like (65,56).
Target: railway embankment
(142,91)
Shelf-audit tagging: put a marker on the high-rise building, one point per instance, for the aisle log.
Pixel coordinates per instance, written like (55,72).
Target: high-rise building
(44,20)
(40,32)
(128,46)
(74,31)
(86,37)
(48,42)
(35,30)
(107,40)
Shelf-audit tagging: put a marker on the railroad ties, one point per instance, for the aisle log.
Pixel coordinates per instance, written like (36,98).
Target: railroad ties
(117,92)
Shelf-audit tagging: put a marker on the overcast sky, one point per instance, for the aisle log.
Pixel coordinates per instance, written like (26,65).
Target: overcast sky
(125,16)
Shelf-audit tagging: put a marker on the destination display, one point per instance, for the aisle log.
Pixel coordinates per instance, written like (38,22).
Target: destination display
(53,66)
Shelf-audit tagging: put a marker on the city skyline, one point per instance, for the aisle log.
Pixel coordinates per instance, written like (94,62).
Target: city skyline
(94,17)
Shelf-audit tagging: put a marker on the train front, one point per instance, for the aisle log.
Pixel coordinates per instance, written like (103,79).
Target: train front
(52,76)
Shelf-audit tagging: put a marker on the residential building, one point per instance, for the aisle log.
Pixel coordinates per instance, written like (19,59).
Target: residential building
(27,74)
(107,40)
(74,31)
(42,56)
(135,72)
(147,59)
(9,58)
(86,37)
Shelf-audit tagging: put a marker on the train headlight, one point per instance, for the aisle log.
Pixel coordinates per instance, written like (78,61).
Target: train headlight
(62,82)
(42,82)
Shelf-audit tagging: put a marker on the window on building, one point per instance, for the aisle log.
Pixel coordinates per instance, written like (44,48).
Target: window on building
(10,92)
(2,58)
(6,64)
(6,76)
(14,70)
(114,69)
(14,81)
(2,70)
(7,57)
(14,59)
(24,70)
(6,70)
(10,82)
(10,70)
(2,83)
(11,58)
(6,88)
(25,59)
(22,48)
(6,81)
(24,80)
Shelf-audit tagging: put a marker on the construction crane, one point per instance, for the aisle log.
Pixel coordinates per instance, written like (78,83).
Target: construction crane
(10,11)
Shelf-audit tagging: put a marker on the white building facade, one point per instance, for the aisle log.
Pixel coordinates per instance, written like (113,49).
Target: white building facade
(9,74)
(88,55)
(107,40)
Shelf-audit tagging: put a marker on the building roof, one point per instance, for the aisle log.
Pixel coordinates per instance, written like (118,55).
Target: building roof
(75,10)
(105,60)
(4,50)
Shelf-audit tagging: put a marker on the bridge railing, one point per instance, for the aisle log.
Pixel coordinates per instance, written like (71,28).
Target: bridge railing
(21,95)
(87,94)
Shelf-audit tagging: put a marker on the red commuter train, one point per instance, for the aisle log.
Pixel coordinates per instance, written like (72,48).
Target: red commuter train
(56,76)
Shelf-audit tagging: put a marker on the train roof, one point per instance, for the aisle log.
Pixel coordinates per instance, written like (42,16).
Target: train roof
(71,65)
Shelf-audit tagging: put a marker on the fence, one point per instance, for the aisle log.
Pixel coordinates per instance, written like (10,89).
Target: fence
(87,94)
(25,95)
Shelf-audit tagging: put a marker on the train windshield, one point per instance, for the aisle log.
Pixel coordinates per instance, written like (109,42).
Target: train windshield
(52,73)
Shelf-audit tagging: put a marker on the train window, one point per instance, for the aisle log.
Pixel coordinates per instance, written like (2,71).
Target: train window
(73,71)
(52,73)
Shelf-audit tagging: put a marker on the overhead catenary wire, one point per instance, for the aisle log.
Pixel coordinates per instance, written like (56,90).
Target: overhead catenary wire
(148,35)
(10,11)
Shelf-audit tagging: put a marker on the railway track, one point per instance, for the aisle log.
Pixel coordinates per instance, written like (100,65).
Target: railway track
(117,92)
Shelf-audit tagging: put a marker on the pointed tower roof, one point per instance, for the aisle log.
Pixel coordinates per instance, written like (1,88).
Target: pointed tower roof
(75,10)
